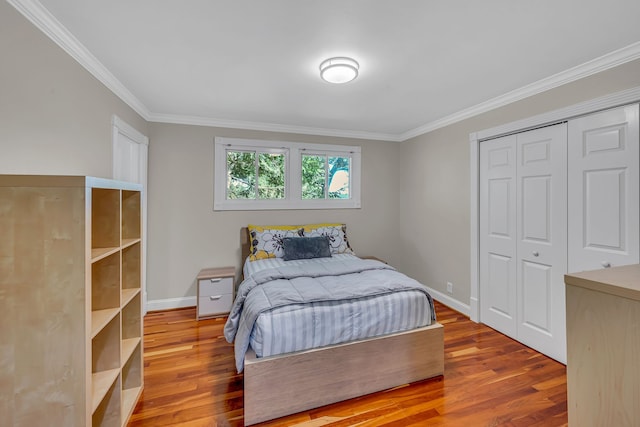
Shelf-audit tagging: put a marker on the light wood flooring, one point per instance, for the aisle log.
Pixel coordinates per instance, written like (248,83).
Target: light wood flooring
(489,380)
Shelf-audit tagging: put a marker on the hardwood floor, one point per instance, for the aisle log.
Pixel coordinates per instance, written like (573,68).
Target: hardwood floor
(489,380)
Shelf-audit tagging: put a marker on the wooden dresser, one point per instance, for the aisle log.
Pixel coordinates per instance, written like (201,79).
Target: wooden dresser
(603,347)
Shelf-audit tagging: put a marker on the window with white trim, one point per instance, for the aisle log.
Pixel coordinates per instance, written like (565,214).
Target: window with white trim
(256,174)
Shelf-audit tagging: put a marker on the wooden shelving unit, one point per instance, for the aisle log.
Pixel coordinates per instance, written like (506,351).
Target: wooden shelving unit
(72,251)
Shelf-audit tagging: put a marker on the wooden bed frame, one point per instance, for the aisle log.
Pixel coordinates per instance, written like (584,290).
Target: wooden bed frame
(281,385)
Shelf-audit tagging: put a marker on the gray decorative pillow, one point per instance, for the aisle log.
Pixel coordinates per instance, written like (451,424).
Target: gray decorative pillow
(306,247)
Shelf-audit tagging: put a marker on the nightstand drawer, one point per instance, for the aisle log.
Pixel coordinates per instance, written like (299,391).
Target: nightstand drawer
(214,304)
(215,291)
(216,286)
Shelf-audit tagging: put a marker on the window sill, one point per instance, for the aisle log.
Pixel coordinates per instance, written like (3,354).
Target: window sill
(253,205)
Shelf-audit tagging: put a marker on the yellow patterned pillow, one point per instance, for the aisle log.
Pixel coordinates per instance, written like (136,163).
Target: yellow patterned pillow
(266,240)
(337,234)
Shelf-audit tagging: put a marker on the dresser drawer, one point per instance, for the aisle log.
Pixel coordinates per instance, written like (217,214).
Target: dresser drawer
(214,304)
(217,286)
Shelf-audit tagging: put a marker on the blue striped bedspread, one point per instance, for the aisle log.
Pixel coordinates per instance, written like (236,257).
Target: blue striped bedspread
(294,307)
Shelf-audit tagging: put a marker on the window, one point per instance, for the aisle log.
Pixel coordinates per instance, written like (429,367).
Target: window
(254,174)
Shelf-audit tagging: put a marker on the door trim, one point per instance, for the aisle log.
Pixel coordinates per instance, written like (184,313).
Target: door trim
(120,127)
(128,130)
(613,100)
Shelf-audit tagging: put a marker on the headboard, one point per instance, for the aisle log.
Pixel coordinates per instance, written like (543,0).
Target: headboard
(245,245)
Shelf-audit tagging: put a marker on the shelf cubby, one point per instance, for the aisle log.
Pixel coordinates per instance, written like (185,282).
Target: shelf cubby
(131,376)
(105,377)
(131,215)
(128,347)
(105,347)
(100,319)
(105,282)
(131,266)
(105,218)
(128,294)
(101,383)
(131,318)
(131,372)
(108,413)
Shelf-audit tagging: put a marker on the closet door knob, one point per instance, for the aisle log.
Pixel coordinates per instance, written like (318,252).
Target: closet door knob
(536,253)
(606,264)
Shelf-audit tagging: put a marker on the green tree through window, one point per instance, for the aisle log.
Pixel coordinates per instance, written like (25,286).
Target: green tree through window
(270,176)
(247,179)
(325,177)
(313,177)
(241,175)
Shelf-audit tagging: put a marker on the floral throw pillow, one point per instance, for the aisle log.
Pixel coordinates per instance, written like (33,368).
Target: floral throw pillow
(336,233)
(267,241)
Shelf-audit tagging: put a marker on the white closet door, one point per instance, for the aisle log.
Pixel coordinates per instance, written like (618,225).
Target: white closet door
(604,190)
(523,243)
(498,234)
(542,239)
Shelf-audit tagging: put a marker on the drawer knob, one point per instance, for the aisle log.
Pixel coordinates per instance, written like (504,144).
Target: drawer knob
(215,280)
(606,264)
(215,297)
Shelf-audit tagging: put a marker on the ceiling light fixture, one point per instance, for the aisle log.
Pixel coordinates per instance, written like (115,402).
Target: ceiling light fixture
(339,70)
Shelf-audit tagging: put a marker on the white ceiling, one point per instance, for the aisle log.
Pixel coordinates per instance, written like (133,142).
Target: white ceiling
(254,64)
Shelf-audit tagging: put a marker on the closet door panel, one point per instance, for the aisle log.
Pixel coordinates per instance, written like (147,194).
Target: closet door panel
(537,288)
(604,190)
(498,234)
(604,210)
(536,209)
(500,286)
(542,241)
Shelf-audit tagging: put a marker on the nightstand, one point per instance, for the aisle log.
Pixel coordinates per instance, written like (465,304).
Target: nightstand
(215,292)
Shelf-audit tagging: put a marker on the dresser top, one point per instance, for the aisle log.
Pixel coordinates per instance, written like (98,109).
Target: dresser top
(622,281)
(214,273)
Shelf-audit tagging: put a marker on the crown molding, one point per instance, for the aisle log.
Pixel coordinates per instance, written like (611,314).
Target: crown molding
(612,100)
(597,65)
(270,127)
(39,16)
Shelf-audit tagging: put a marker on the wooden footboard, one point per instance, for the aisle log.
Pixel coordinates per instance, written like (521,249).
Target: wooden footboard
(281,385)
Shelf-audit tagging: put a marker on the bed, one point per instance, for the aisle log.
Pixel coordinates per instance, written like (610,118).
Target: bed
(314,372)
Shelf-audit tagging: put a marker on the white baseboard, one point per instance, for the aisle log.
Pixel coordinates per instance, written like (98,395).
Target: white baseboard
(450,302)
(475,310)
(169,303)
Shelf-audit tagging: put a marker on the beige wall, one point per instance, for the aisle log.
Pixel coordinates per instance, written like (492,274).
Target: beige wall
(435,194)
(185,234)
(55,118)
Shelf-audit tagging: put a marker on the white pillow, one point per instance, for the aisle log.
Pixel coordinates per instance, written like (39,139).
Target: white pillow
(337,234)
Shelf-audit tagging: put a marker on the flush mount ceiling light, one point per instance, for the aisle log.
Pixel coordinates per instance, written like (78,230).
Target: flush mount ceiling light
(339,70)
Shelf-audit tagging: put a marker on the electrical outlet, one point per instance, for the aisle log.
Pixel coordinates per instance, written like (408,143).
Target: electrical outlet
(449,287)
